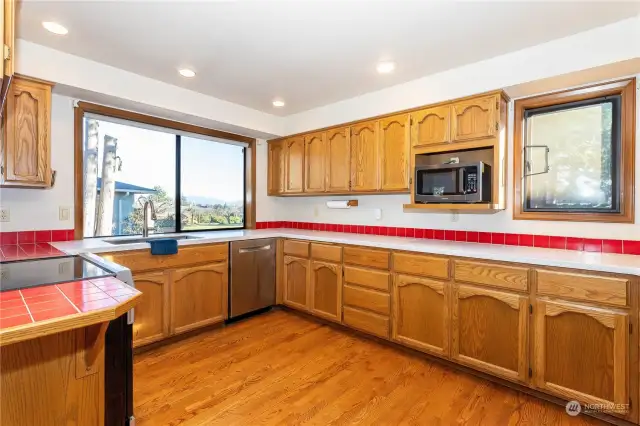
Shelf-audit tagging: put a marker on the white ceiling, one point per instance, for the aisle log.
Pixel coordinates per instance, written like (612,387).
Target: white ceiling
(308,52)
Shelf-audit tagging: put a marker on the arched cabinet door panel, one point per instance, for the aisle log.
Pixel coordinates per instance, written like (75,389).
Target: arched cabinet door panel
(583,339)
(198,296)
(314,160)
(296,282)
(475,118)
(151,314)
(421,314)
(294,164)
(326,290)
(489,331)
(276,175)
(364,157)
(431,126)
(394,153)
(338,164)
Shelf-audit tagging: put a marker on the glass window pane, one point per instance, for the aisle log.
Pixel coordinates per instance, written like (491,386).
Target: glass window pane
(581,174)
(124,166)
(211,185)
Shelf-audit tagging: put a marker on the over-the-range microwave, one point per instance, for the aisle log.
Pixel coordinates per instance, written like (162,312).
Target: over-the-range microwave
(453,183)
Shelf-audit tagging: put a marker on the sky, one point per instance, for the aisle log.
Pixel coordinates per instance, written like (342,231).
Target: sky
(209,169)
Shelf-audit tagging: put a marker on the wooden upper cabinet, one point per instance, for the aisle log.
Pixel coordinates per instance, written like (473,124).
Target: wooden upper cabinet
(314,160)
(26,145)
(364,157)
(8,37)
(338,159)
(151,314)
(198,296)
(489,331)
(421,314)
(475,118)
(276,173)
(581,352)
(326,290)
(294,164)
(296,279)
(431,126)
(394,153)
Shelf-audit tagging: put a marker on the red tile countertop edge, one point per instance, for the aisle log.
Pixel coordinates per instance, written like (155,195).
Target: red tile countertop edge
(32,305)
(527,240)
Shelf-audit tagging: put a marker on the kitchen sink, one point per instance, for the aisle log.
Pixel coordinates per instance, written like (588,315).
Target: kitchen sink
(127,240)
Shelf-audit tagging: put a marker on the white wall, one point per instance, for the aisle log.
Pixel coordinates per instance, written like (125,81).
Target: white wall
(74,74)
(604,45)
(35,209)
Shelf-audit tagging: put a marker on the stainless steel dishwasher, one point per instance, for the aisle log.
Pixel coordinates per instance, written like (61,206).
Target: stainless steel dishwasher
(253,276)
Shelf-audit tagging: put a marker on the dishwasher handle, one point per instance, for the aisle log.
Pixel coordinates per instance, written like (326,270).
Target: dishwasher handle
(253,249)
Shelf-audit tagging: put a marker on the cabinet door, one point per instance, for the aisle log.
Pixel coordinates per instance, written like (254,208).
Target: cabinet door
(326,290)
(294,164)
(276,168)
(581,352)
(489,331)
(475,118)
(364,157)
(8,37)
(198,296)
(151,314)
(421,314)
(394,153)
(27,143)
(338,160)
(431,126)
(296,282)
(314,160)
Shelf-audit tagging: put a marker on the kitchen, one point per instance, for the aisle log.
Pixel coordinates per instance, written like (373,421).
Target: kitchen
(404,237)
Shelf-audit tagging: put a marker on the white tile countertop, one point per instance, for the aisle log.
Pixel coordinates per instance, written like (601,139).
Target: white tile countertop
(603,262)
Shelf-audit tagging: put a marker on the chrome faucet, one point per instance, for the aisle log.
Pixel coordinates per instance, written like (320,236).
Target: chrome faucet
(145,217)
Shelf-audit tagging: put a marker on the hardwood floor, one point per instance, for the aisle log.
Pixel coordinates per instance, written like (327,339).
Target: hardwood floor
(283,369)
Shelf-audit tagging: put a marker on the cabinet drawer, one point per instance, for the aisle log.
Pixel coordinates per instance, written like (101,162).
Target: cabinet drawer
(366,321)
(589,288)
(366,299)
(367,278)
(426,266)
(296,248)
(142,260)
(366,257)
(326,252)
(491,274)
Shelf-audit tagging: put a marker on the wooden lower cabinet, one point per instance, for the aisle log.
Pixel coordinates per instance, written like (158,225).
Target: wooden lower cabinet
(581,352)
(296,277)
(421,314)
(198,296)
(489,331)
(326,290)
(151,315)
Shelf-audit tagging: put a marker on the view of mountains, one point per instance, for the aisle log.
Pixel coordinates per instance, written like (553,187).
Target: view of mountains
(210,201)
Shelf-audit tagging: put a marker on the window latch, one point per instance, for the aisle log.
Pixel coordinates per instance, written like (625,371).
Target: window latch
(527,162)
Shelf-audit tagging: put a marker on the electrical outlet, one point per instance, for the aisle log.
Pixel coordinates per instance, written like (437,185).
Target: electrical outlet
(64,213)
(5,215)
(455,216)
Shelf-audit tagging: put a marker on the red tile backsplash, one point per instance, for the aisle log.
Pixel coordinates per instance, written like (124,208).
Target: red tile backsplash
(526,240)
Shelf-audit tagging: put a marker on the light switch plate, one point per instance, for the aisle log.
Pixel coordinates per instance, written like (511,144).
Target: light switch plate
(64,213)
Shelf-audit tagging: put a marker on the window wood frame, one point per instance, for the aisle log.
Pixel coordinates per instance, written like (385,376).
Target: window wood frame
(86,107)
(626,90)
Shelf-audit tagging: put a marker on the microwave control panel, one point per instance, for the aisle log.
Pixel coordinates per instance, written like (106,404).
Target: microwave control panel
(472,183)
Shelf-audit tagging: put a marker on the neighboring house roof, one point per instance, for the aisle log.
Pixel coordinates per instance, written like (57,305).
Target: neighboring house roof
(127,187)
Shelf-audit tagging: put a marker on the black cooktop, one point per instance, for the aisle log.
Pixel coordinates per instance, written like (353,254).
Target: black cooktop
(27,273)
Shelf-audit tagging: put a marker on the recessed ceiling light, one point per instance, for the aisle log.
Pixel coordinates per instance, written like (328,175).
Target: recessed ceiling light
(386,67)
(186,72)
(55,28)
(278,103)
